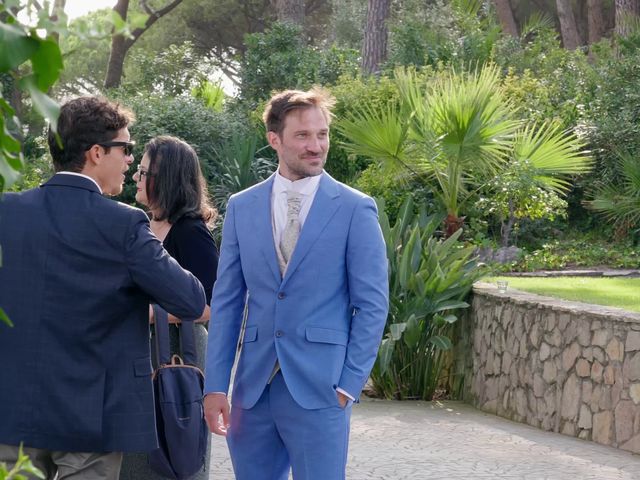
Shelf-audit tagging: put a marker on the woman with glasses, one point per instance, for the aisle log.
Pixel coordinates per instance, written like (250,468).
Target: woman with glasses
(170,184)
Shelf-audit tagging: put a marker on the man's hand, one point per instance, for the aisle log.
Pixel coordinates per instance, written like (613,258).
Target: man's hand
(342,399)
(216,405)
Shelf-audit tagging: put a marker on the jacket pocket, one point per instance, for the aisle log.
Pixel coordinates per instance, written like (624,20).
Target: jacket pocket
(142,367)
(250,334)
(327,335)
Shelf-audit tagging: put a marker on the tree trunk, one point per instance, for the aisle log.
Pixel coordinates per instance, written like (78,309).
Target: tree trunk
(506,227)
(580,14)
(118,50)
(507,20)
(290,11)
(568,27)
(121,45)
(596,20)
(374,44)
(452,224)
(626,10)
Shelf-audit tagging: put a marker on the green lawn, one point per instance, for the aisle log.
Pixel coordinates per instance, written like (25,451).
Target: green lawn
(614,292)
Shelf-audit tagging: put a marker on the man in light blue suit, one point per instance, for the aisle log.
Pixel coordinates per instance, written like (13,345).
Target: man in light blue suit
(305,255)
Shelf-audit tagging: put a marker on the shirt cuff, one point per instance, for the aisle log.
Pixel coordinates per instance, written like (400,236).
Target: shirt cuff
(338,389)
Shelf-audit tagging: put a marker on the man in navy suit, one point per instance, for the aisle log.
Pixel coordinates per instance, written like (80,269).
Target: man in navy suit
(305,255)
(78,273)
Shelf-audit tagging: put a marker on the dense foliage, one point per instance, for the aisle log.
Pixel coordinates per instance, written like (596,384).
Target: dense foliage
(279,59)
(458,133)
(496,130)
(31,63)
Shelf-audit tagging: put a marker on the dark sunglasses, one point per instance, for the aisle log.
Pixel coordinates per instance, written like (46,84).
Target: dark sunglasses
(127,147)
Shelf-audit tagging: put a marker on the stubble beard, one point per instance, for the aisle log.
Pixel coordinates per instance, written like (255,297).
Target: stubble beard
(305,171)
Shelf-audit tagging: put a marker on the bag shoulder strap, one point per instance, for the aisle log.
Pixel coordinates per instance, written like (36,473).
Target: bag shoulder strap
(163,348)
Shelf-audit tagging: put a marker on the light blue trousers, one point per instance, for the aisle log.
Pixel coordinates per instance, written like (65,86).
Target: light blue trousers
(277,435)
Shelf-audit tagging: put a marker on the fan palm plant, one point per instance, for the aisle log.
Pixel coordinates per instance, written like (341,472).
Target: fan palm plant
(458,133)
(552,153)
(619,202)
(453,132)
(531,184)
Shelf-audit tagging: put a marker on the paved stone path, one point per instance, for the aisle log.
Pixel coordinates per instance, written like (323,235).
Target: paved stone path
(453,441)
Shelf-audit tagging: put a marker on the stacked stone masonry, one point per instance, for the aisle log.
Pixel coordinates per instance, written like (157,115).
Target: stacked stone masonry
(561,366)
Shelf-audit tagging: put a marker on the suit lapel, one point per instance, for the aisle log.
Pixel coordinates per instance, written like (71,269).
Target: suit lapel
(325,204)
(263,225)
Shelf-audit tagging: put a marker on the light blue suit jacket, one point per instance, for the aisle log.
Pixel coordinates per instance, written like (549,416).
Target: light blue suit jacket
(323,321)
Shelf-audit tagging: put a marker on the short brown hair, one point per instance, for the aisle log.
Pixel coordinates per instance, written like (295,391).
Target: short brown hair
(284,102)
(83,122)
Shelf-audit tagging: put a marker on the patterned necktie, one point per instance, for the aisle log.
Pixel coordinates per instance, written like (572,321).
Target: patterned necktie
(291,230)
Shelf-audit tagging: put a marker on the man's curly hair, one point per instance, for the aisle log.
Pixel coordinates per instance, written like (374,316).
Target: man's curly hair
(83,122)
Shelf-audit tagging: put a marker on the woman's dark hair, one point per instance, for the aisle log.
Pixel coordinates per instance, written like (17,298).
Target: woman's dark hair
(83,122)
(176,186)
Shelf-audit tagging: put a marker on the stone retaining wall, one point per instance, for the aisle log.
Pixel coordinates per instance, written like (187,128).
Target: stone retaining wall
(561,366)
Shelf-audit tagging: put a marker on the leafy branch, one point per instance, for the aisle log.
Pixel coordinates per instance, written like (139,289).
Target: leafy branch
(23,465)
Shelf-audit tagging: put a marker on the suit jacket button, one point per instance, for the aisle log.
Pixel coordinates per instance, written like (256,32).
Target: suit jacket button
(281,295)
(279,333)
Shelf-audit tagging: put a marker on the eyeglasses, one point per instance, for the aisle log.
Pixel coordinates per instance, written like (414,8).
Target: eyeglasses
(144,173)
(127,147)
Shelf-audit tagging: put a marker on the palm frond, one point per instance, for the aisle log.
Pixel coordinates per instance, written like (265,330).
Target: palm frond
(471,117)
(630,168)
(615,207)
(468,7)
(536,22)
(422,141)
(378,134)
(551,152)
(619,202)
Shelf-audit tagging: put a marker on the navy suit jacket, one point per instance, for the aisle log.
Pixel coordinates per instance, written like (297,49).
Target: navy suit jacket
(78,272)
(323,321)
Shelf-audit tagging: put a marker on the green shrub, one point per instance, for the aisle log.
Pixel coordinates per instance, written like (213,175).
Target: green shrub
(353,91)
(576,250)
(393,191)
(439,32)
(563,83)
(241,161)
(184,117)
(428,282)
(613,117)
(212,94)
(278,59)
(37,170)
(171,72)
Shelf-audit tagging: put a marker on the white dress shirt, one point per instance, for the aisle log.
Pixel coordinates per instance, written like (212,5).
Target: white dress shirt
(306,187)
